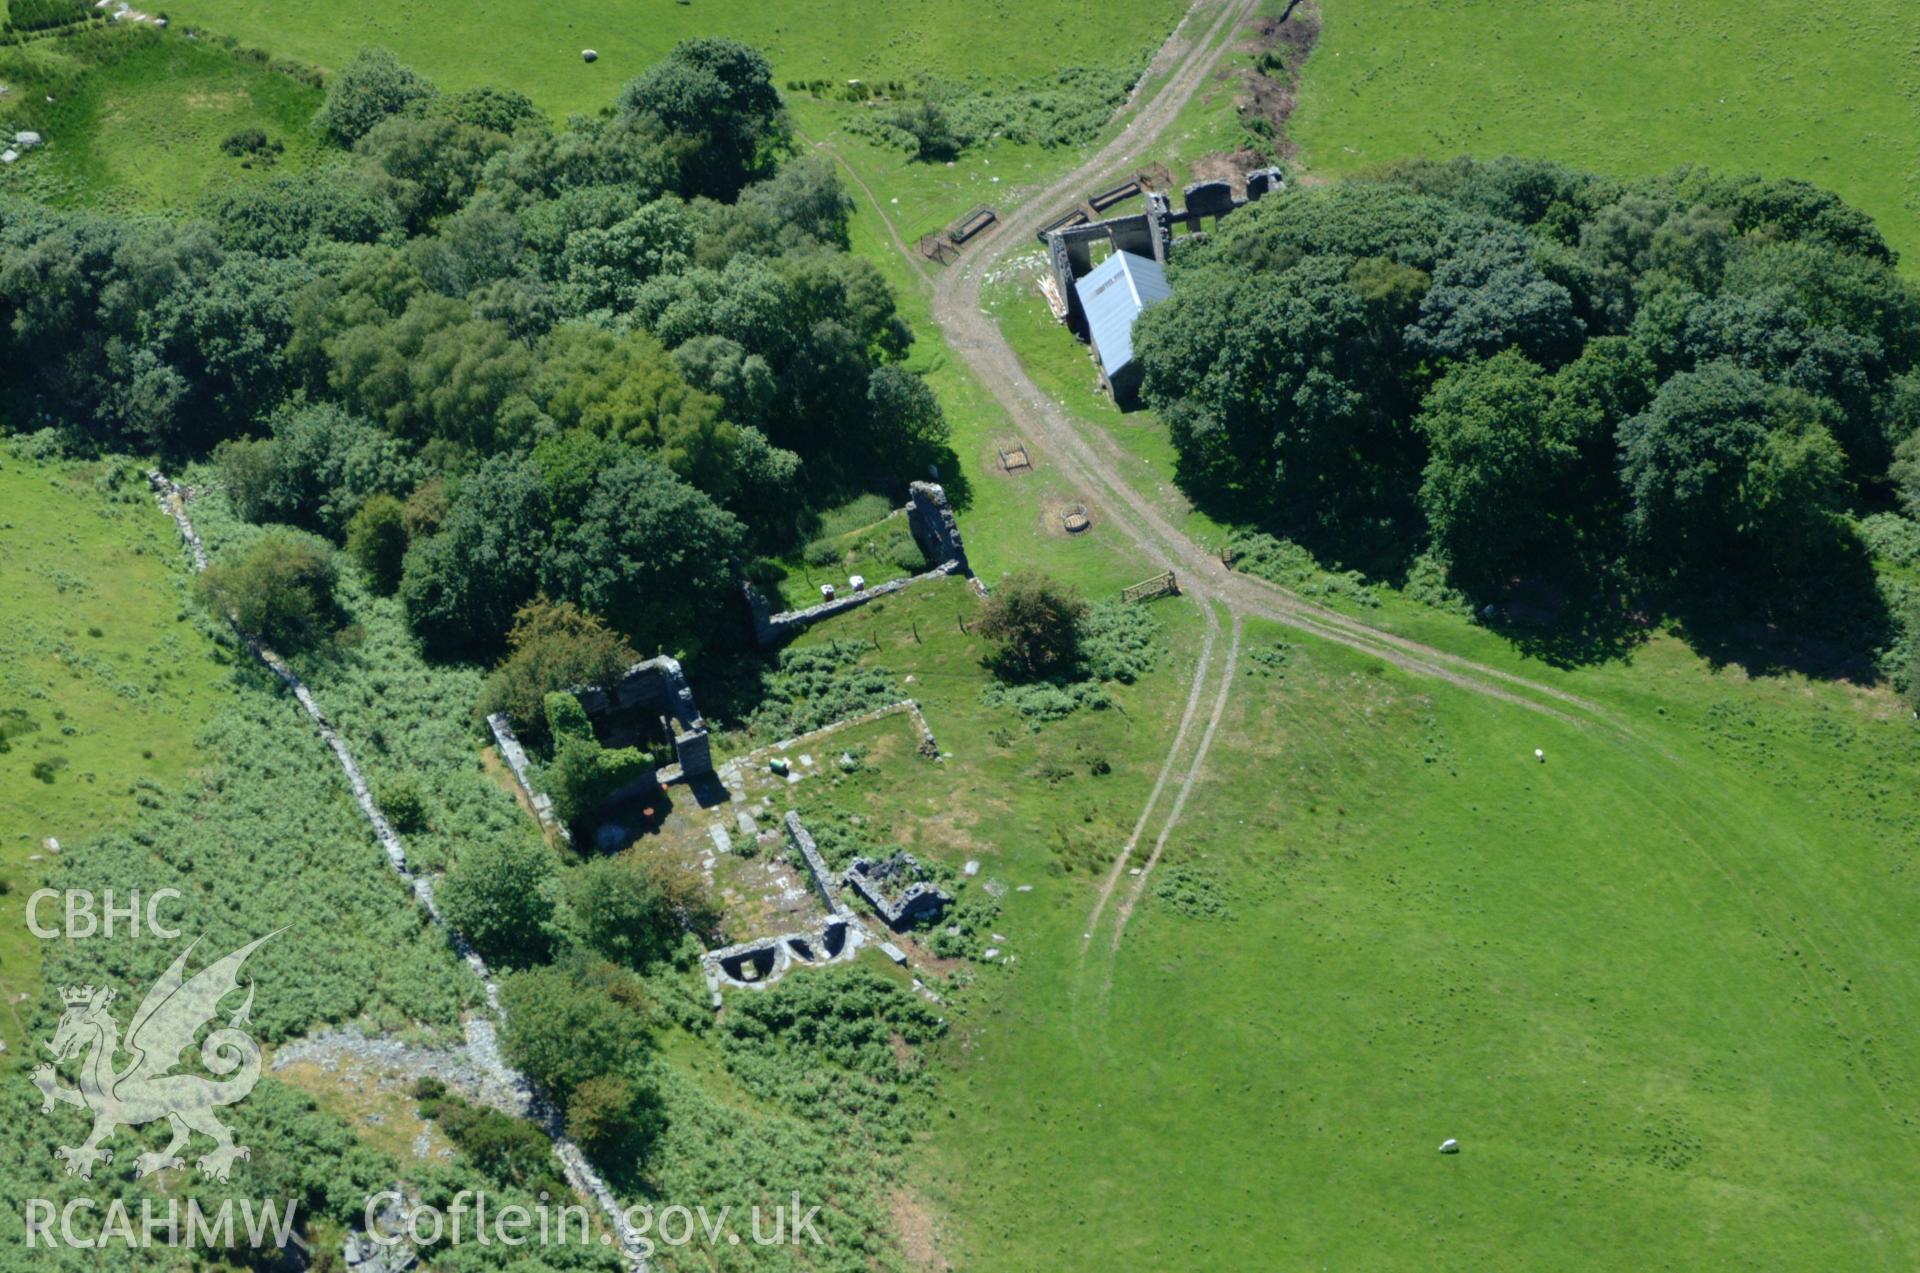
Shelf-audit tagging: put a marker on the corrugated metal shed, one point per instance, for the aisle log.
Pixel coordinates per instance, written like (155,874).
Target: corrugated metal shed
(1112,295)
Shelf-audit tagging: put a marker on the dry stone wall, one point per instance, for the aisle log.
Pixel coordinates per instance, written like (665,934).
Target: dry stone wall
(930,519)
(515,756)
(824,880)
(482,1037)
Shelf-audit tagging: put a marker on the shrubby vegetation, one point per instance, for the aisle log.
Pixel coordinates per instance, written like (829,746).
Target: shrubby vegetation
(280,589)
(634,909)
(377,541)
(263,838)
(814,685)
(1657,395)
(542,382)
(827,1044)
(501,893)
(583,774)
(570,1022)
(1034,625)
(1284,562)
(268,840)
(1192,892)
(1118,642)
(552,646)
(505,1150)
(1068,108)
(836,1059)
(1052,651)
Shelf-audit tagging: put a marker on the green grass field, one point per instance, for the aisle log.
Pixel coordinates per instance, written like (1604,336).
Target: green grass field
(142,128)
(1629,87)
(1660,979)
(1660,998)
(536,48)
(1656,985)
(105,680)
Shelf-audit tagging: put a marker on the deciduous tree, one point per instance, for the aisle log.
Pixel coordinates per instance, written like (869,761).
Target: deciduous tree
(1034,624)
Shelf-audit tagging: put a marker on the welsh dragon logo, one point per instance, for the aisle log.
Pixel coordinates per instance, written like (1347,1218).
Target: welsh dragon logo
(144,1091)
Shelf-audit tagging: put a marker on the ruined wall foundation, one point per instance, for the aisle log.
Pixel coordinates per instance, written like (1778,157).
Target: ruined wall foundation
(931,521)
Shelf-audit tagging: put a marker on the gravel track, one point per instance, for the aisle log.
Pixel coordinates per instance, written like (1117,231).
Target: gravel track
(1091,459)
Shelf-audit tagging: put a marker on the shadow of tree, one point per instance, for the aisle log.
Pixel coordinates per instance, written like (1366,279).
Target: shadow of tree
(1827,624)
(1573,633)
(729,684)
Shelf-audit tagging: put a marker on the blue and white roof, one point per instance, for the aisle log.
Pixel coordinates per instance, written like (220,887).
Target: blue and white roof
(1112,294)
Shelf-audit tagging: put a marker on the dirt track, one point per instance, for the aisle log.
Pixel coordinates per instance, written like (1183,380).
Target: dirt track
(1090,456)
(1160,783)
(1092,459)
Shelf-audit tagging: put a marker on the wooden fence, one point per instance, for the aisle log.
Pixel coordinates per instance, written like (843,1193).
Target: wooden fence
(1148,589)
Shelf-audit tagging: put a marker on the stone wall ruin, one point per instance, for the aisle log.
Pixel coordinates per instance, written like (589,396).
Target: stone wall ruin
(1069,243)
(825,882)
(761,962)
(874,880)
(930,518)
(764,960)
(656,688)
(931,521)
(653,688)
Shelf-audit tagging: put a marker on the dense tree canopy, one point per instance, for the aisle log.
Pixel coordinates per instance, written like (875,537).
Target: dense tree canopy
(1681,386)
(719,94)
(1725,471)
(501,895)
(281,589)
(371,88)
(553,646)
(1495,485)
(595,358)
(564,1028)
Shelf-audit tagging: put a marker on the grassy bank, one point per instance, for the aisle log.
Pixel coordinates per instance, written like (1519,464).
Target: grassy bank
(1628,87)
(105,683)
(137,117)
